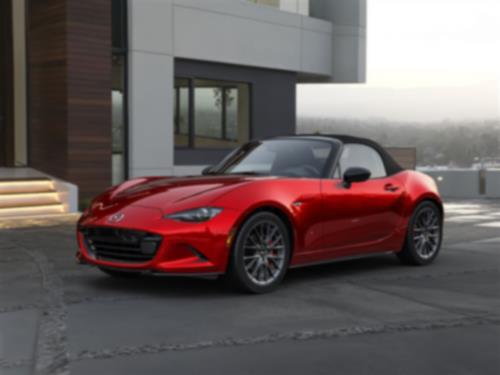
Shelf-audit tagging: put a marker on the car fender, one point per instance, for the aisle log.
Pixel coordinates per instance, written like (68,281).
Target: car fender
(418,188)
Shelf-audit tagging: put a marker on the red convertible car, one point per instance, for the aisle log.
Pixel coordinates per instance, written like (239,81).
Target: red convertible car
(268,206)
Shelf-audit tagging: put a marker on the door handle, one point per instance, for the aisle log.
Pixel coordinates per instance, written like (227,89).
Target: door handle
(391,187)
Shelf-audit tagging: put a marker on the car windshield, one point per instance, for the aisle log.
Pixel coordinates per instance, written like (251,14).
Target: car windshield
(307,158)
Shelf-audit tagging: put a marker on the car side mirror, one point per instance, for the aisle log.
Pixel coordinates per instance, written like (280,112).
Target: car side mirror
(207,170)
(355,174)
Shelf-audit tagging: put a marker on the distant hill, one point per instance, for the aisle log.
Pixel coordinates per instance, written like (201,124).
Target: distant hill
(446,143)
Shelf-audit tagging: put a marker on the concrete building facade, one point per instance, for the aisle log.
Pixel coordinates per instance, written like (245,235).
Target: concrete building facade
(96,92)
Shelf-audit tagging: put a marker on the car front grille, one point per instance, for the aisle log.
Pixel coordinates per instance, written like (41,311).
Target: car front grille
(121,245)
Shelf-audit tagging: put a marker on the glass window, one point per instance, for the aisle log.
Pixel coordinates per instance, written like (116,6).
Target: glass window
(208,112)
(358,155)
(181,112)
(118,22)
(232,113)
(280,157)
(118,119)
(220,114)
(118,94)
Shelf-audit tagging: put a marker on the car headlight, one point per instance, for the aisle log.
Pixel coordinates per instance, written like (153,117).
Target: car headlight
(197,215)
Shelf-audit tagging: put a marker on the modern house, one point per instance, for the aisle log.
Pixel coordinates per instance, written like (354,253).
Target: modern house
(94,92)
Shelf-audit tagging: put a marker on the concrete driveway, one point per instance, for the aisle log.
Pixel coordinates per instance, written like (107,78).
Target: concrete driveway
(367,316)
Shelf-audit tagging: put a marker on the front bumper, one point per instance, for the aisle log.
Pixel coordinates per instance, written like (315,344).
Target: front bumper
(186,248)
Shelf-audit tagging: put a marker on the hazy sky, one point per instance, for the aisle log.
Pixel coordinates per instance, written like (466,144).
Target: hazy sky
(427,60)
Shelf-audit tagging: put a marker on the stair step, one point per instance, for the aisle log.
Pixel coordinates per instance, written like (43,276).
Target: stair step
(28,199)
(39,178)
(19,186)
(45,209)
(46,220)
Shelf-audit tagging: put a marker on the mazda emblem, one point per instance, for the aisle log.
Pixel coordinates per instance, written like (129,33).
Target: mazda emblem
(116,218)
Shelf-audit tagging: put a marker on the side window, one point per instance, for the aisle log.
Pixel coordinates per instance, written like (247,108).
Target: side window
(358,155)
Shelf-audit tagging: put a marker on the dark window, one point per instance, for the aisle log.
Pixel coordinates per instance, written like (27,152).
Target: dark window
(118,119)
(181,112)
(118,24)
(211,114)
(119,91)
(359,155)
(280,157)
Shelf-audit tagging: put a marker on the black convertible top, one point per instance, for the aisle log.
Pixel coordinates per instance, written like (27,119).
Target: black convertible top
(391,166)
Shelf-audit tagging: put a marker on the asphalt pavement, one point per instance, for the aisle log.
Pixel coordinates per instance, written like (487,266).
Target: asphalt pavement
(369,316)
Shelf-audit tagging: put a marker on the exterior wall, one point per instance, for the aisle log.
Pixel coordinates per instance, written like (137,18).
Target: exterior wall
(456,183)
(151,82)
(278,43)
(48,100)
(19,59)
(466,183)
(253,36)
(493,184)
(348,37)
(151,132)
(295,6)
(69,77)
(70,83)
(232,32)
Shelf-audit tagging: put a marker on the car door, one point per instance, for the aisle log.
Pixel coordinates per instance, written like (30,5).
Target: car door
(360,217)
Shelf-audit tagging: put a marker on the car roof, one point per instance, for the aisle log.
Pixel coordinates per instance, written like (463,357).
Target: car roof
(391,166)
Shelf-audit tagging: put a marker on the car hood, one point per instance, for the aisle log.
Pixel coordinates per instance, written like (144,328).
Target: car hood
(171,193)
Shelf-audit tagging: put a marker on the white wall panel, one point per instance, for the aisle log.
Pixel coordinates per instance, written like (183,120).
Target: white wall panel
(316,52)
(150,112)
(151,26)
(218,37)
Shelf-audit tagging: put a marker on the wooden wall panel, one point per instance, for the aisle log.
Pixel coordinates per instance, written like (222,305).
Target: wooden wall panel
(89,93)
(47,139)
(70,91)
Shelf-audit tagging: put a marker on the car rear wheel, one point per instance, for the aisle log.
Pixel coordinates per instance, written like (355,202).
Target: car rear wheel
(260,255)
(424,236)
(120,274)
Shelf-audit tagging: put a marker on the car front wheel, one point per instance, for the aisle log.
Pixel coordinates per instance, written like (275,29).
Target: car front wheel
(260,255)
(424,236)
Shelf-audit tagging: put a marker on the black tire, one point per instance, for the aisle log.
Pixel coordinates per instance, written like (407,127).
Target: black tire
(120,274)
(237,275)
(423,239)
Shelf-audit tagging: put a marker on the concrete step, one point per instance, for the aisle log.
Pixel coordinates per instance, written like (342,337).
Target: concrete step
(46,220)
(26,193)
(28,199)
(26,185)
(45,209)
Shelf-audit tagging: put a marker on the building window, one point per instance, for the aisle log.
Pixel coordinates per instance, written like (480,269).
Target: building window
(181,112)
(118,119)
(118,91)
(211,114)
(119,24)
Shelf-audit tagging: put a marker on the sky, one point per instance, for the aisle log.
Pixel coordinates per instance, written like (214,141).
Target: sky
(427,60)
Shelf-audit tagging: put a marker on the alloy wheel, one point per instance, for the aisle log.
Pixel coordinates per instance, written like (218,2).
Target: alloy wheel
(264,253)
(427,233)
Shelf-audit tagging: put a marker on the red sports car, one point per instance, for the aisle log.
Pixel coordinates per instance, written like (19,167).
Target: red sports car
(268,206)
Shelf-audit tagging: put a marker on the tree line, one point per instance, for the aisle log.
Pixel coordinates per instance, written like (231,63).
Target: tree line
(446,143)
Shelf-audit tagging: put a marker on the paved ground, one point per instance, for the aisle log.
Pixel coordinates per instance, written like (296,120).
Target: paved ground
(358,317)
